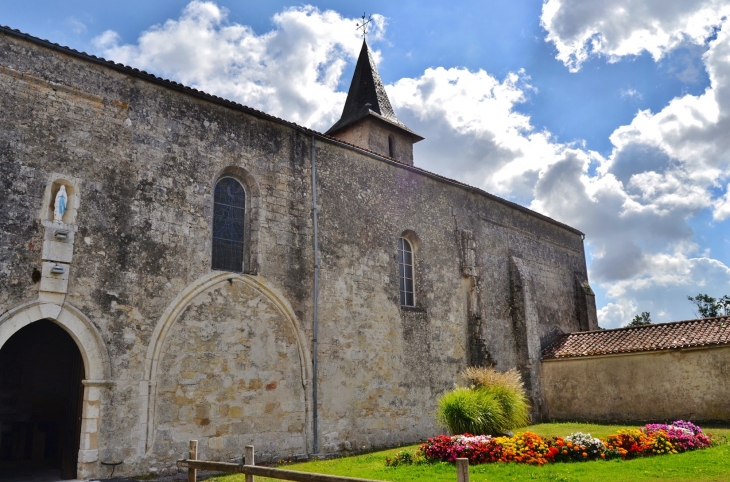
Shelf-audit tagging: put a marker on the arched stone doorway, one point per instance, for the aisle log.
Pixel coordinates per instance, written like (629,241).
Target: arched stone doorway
(96,366)
(41,396)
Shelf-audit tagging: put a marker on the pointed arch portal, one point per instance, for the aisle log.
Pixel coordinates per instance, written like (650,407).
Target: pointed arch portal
(53,364)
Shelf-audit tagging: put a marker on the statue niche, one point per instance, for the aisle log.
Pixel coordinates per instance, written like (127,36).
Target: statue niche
(60,202)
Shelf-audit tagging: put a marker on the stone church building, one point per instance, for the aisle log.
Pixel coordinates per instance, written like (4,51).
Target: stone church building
(212,272)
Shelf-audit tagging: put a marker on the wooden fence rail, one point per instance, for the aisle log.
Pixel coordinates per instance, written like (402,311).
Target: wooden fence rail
(249,469)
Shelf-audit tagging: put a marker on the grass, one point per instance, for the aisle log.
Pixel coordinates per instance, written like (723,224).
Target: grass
(709,465)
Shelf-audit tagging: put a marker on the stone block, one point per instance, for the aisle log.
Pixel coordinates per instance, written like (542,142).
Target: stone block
(92,394)
(61,252)
(51,282)
(51,229)
(87,470)
(88,456)
(50,310)
(54,285)
(89,425)
(91,410)
(49,297)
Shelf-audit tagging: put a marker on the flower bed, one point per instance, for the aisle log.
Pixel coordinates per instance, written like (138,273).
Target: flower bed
(530,448)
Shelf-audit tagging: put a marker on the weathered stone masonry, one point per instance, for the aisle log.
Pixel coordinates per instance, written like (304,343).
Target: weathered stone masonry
(174,350)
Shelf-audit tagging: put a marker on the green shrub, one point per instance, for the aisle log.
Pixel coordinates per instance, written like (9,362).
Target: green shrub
(470,410)
(495,403)
(515,407)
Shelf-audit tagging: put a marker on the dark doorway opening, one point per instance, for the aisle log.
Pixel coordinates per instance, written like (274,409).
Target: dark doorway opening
(41,393)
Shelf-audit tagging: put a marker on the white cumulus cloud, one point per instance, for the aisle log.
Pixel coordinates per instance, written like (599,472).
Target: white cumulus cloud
(474,133)
(583,28)
(291,71)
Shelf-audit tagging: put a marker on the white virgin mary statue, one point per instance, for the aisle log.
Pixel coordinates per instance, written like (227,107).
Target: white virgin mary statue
(60,205)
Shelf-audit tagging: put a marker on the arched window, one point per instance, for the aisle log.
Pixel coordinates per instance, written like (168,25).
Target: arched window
(391,147)
(229,211)
(405,272)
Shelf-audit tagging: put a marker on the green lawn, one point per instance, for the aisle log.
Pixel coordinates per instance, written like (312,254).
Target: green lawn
(707,465)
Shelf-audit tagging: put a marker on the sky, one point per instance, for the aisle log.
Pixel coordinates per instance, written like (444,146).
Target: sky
(612,117)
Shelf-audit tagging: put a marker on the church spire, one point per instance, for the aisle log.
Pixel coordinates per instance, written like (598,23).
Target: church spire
(367,103)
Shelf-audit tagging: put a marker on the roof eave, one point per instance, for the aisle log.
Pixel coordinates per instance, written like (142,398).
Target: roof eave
(341,126)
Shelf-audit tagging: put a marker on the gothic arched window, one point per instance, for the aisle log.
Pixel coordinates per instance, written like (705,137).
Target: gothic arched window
(405,272)
(229,211)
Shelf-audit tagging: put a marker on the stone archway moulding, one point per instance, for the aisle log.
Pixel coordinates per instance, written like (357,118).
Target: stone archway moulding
(177,307)
(97,367)
(77,325)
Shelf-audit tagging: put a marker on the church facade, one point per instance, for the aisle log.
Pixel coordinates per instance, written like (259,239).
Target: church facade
(220,274)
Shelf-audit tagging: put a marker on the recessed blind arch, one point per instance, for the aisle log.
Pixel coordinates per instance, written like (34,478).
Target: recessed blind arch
(405,273)
(229,214)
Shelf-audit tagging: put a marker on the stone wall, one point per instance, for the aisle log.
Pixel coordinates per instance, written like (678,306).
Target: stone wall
(176,351)
(690,384)
(374,134)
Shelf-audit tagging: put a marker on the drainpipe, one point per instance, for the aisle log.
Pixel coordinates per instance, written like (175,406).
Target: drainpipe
(315,296)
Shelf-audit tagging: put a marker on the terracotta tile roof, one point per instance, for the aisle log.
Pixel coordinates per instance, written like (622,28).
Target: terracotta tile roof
(172,85)
(661,336)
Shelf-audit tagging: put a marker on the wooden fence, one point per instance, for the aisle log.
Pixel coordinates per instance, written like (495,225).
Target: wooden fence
(249,468)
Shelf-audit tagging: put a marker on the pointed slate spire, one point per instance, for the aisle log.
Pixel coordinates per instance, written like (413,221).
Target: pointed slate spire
(367,100)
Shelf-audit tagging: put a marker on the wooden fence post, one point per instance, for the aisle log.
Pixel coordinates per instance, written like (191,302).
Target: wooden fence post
(462,470)
(192,473)
(249,460)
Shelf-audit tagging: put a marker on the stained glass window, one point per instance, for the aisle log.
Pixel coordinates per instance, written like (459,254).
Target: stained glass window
(405,272)
(229,211)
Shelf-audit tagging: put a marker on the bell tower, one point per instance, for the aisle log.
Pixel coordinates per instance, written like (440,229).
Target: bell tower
(368,120)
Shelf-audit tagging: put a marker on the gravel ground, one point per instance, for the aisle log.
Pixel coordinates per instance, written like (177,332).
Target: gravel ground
(178,477)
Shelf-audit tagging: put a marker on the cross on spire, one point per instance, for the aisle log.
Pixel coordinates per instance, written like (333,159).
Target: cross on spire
(364,25)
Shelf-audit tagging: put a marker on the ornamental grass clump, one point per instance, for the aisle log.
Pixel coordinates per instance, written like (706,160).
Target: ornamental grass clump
(493,403)
(488,377)
(508,388)
(471,410)
(515,406)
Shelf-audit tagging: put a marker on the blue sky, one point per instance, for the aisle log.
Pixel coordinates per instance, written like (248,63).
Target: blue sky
(609,118)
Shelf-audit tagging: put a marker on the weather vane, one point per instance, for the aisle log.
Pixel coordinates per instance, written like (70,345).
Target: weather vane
(364,25)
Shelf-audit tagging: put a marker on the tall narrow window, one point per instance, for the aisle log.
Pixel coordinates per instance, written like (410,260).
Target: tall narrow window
(228,223)
(405,272)
(391,147)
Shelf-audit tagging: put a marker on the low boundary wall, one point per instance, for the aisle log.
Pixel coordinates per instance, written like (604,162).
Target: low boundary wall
(691,384)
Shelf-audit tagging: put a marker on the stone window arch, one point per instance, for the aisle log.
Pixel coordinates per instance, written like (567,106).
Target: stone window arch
(229,214)
(234,221)
(406,273)
(410,269)
(391,146)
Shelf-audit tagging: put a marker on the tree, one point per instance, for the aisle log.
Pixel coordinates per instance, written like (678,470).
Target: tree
(641,320)
(708,307)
